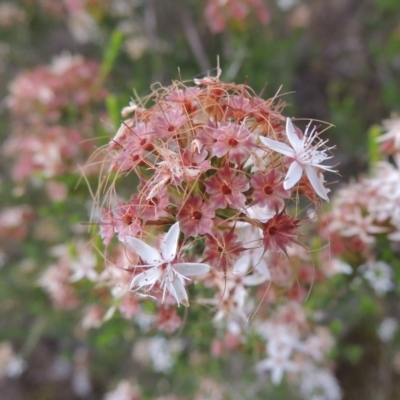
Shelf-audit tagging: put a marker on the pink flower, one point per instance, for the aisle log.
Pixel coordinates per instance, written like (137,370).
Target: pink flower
(280,232)
(150,209)
(233,139)
(195,218)
(187,97)
(126,220)
(106,226)
(239,107)
(167,124)
(226,187)
(223,249)
(268,190)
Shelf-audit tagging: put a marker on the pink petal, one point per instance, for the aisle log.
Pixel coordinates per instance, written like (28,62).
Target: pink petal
(145,252)
(293,175)
(190,269)
(279,147)
(316,182)
(170,243)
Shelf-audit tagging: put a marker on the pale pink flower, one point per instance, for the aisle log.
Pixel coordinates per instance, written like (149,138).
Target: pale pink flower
(124,391)
(391,138)
(168,124)
(362,226)
(268,190)
(233,139)
(126,219)
(172,170)
(195,217)
(230,297)
(84,265)
(306,157)
(92,317)
(226,187)
(106,226)
(14,221)
(278,364)
(162,269)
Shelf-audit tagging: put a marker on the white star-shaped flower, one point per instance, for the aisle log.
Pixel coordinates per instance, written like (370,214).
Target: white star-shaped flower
(306,157)
(162,268)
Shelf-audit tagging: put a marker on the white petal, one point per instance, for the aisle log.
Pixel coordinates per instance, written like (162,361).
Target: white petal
(293,175)
(147,253)
(190,269)
(316,182)
(170,243)
(292,136)
(146,278)
(179,292)
(242,265)
(254,279)
(279,147)
(277,374)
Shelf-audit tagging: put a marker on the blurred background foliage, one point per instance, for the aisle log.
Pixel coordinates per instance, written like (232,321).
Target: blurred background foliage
(335,61)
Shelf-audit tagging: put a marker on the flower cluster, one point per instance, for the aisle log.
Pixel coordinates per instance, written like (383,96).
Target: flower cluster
(48,92)
(295,346)
(14,221)
(219,13)
(366,214)
(210,160)
(44,104)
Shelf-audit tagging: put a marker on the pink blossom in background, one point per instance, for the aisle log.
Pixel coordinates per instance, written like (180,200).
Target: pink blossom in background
(46,92)
(219,13)
(14,221)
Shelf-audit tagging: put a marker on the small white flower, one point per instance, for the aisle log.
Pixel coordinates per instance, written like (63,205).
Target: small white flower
(379,275)
(305,157)
(388,329)
(319,384)
(277,364)
(392,131)
(162,268)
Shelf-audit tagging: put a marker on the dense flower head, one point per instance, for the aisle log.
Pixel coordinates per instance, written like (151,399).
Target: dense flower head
(208,159)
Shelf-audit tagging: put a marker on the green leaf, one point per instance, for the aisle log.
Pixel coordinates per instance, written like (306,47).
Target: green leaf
(373,147)
(354,353)
(114,110)
(111,53)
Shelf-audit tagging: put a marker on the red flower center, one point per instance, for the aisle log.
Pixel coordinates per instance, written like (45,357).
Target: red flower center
(226,189)
(233,142)
(268,190)
(196,215)
(128,219)
(153,201)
